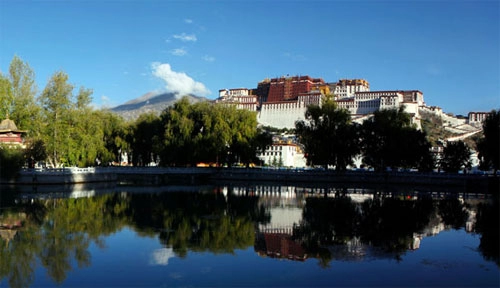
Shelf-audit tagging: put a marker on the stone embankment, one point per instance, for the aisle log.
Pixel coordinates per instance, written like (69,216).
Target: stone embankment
(168,176)
(71,175)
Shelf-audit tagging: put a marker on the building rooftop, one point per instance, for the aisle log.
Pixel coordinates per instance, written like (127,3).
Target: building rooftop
(7,125)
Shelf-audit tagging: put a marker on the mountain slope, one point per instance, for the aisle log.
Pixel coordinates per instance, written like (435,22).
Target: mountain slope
(150,103)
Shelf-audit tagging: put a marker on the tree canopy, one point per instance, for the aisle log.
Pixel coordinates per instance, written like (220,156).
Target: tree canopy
(61,125)
(65,130)
(328,136)
(390,140)
(25,110)
(456,156)
(489,146)
(209,133)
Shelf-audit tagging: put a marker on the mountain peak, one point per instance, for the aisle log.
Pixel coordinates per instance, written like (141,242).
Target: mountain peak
(151,102)
(143,98)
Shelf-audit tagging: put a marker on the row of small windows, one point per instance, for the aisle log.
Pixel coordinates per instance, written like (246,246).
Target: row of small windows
(274,148)
(368,104)
(271,154)
(388,101)
(247,100)
(478,117)
(367,97)
(359,104)
(282,106)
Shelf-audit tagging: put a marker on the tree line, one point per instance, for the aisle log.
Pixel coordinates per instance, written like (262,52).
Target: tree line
(187,134)
(64,129)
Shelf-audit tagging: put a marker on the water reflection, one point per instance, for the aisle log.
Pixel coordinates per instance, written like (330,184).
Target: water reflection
(161,256)
(285,222)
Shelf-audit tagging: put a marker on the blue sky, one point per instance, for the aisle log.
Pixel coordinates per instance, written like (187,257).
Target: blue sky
(123,49)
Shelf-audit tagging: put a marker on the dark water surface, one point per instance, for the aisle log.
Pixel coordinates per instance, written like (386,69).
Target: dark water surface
(246,235)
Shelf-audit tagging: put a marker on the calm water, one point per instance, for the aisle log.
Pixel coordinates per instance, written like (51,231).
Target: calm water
(246,235)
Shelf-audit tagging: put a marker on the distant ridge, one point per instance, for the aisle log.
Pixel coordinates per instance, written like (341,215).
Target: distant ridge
(150,103)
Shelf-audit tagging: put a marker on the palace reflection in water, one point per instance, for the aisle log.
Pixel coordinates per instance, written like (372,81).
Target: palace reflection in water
(285,222)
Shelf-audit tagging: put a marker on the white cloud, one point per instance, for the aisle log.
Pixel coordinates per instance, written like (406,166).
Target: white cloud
(178,52)
(178,82)
(208,58)
(188,21)
(186,37)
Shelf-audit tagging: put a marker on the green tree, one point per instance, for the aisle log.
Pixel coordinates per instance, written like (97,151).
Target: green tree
(417,150)
(6,97)
(84,99)
(115,136)
(390,140)
(11,161)
(456,156)
(489,146)
(211,133)
(243,135)
(178,130)
(206,132)
(56,100)
(147,138)
(35,151)
(381,136)
(487,226)
(86,131)
(328,136)
(263,139)
(26,111)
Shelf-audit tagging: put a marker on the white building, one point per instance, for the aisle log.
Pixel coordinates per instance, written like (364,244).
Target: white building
(233,92)
(363,103)
(346,88)
(477,117)
(284,154)
(240,97)
(284,114)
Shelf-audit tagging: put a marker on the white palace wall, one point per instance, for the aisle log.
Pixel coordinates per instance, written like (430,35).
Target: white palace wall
(281,115)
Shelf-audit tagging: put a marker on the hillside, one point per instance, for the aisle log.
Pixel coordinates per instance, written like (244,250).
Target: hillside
(442,127)
(150,102)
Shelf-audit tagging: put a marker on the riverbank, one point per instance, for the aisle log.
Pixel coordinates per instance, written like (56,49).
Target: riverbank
(171,175)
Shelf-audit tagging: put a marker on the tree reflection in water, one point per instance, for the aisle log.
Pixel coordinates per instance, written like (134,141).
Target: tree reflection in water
(334,227)
(58,232)
(488,218)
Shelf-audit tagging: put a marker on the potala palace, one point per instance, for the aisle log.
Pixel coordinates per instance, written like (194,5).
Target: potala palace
(280,102)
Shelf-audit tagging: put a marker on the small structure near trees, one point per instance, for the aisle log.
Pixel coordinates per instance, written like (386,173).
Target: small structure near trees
(10,135)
